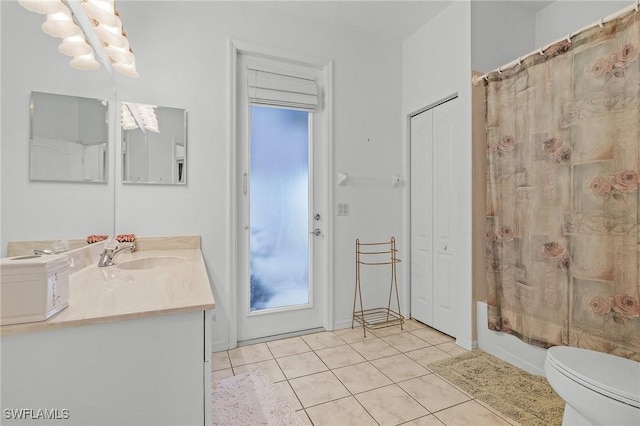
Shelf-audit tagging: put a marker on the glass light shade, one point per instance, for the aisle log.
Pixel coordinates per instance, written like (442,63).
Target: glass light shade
(126,118)
(125,114)
(144,109)
(129,126)
(110,35)
(102,11)
(127,69)
(149,122)
(85,62)
(128,122)
(60,25)
(44,7)
(74,46)
(120,54)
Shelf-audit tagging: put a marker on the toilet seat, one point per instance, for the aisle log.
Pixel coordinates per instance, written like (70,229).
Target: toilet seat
(615,377)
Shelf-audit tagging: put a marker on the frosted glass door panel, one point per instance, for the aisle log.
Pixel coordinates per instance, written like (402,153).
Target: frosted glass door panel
(279,208)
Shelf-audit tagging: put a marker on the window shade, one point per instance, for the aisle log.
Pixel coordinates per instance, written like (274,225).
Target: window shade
(277,88)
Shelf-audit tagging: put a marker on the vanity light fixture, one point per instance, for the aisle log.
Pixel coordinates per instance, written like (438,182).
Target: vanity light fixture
(87,28)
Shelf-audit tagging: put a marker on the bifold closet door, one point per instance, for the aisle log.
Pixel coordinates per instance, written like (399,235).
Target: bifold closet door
(421,217)
(433,207)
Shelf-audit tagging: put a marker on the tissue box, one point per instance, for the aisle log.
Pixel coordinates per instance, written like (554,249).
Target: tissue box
(33,288)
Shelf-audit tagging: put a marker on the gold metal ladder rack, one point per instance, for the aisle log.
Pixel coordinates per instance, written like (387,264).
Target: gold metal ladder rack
(382,253)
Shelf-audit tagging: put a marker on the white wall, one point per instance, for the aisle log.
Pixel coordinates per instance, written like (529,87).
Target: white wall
(431,72)
(43,210)
(181,53)
(501,31)
(561,17)
(182,57)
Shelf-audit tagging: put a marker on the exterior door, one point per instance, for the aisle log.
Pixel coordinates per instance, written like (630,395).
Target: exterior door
(433,239)
(281,241)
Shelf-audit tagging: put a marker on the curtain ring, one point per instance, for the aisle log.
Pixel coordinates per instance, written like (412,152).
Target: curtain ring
(570,35)
(637,6)
(540,51)
(500,70)
(601,23)
(519,60)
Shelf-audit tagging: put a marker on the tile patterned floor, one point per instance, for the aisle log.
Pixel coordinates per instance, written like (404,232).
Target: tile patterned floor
(343,378)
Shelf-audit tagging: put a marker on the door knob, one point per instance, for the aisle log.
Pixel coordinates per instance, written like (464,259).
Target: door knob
(315,232)
(317,216)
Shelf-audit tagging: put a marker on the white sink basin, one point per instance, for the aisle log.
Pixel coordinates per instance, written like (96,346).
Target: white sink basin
(150,262)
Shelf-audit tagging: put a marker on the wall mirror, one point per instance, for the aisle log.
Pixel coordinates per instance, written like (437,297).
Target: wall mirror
(154,144)
(68,140)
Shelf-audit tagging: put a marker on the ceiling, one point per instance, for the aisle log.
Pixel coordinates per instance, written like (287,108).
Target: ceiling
(391,19)
(532,5)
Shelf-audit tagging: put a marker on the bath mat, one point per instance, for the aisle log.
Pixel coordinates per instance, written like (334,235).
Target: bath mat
(250,399)
(525,397)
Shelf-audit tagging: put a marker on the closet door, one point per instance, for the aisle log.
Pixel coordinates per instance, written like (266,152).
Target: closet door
(433,239)
(421,217)
(444,212)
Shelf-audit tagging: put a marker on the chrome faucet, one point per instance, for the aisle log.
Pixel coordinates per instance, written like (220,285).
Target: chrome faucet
(40,252)
(57,247)
(107,256)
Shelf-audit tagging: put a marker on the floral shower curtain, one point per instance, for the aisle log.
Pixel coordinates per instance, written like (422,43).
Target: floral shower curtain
(563,140)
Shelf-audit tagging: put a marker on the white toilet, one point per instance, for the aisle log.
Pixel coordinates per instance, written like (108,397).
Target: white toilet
(598,388)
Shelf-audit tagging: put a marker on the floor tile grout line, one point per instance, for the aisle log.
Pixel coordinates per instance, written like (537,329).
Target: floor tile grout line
(473,398)
(371,362)
(393,383)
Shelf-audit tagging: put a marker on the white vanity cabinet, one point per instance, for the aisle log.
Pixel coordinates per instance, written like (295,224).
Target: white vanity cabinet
(132,348)
(147,371)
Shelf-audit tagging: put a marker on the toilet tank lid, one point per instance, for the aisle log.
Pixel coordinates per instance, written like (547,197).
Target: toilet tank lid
(610,373)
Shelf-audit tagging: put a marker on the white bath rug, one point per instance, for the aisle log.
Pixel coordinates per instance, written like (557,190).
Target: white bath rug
(250,399)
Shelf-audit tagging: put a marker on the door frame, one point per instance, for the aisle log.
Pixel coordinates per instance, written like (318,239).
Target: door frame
(236,47)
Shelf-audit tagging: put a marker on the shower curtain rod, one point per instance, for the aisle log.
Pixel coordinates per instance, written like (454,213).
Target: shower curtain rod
(477,79)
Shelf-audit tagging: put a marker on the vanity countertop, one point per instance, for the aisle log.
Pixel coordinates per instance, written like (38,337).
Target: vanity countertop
(101,295)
